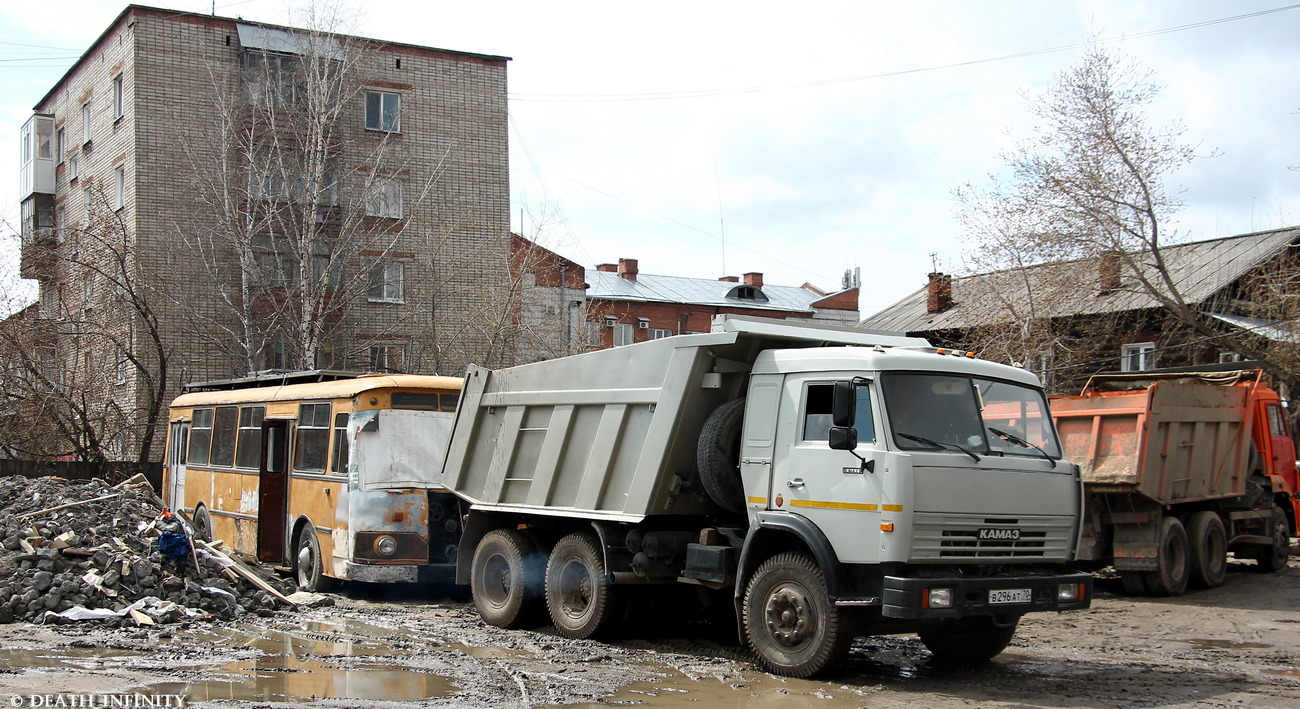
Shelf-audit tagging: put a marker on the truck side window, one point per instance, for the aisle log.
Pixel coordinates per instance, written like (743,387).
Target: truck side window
(817,415)
(1276,421)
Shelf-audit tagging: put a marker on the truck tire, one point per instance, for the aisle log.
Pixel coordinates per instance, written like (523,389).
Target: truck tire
(718,456)
(789,621)
(582,601)
(505,579)
(1173,560)
(1209,544)
(971,639)
(1135,583)
(1273,557)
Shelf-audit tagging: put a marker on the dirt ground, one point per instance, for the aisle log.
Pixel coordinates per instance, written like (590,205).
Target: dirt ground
(1235,646)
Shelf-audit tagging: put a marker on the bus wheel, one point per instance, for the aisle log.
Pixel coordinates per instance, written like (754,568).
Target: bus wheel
(202,523)
(307,562)
(582,602)
(970,639)
(1273,557)
(789,620)
(1209,542)
(1173,562)
(505,579)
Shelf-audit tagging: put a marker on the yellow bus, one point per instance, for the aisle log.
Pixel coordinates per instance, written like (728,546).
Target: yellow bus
(333,479)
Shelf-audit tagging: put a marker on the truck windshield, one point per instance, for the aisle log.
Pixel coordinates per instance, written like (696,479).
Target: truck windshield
(935,411)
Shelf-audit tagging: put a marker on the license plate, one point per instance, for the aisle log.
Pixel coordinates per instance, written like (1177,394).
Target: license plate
(1011,595)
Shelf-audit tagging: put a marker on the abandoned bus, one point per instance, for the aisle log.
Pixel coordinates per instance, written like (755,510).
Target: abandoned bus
(327,478)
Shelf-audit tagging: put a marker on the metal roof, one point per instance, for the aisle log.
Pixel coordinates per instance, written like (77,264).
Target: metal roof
(649,288)
(1198,269)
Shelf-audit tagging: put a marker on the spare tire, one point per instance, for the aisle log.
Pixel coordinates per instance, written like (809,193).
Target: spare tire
(718,456)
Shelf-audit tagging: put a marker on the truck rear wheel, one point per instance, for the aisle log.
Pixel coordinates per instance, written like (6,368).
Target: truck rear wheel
(970,639)
(789,620)
(1135,583)
(582,602)
(1173,560)
(505,579)
(718,456)
(1209,544)
(1273,557)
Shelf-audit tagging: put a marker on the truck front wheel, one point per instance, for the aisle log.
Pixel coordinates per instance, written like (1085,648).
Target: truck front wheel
(506,579)
(970,639)
(1173,565)
(1209,541)
(582,602)
(789,620)
(1273,557)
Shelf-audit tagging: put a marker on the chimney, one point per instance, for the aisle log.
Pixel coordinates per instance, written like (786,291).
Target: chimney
(627,268)
(754,279)
(938,293)
(607,267)
(1108,275)
(729,279)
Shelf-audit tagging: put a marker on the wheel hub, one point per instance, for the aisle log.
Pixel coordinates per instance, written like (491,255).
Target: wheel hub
(787,615)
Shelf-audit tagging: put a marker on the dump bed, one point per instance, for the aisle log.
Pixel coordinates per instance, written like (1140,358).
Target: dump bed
(1174,441)
(612,434)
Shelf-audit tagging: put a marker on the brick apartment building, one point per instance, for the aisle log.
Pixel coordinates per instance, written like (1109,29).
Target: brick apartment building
(251,196)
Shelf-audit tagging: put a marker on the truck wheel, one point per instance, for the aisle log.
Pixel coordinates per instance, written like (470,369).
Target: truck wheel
(718,456)
(1173,560)
(971,639)
(1209,544)
(581,600)
(1273,557)
(789,620)
(1135,583)
(505,579)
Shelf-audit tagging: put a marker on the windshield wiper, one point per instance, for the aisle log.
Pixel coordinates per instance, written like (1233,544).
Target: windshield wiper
(939,444)
(1017,440)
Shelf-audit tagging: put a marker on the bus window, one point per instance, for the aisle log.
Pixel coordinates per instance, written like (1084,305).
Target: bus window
(449,401)
(200,437)
(415,400)
(249,448)
(312,448)
(340,466)
(223,436)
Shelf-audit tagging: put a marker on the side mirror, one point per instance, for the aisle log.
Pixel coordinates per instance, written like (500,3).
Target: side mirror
(844,405)
(843,438)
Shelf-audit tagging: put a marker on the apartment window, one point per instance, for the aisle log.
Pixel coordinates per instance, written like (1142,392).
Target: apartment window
(59,146)
(386,358)
(1138,356)
(383,111)
(88,201)
(121,371)
(119,187)
(313,442)
(85,123)
(270,78)
(72,168)
(659,334)
(624,334)
(384,199)
(119,97)
(386,283)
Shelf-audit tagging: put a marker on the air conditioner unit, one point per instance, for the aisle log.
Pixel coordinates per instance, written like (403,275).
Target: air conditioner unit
(611,322)
(643,324)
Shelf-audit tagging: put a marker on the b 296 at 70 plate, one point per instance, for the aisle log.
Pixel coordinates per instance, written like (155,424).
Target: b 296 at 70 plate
(1010,595)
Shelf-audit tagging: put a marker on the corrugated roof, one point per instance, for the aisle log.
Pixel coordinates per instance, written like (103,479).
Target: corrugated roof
(1198,269)
(649,288)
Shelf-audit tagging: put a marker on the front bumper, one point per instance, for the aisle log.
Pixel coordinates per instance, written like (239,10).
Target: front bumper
(377,573)
(906,597)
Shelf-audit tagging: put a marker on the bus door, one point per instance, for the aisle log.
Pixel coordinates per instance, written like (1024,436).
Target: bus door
(176,453)
(273,491)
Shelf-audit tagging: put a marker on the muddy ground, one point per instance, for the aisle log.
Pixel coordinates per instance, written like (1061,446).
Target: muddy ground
(1235,646)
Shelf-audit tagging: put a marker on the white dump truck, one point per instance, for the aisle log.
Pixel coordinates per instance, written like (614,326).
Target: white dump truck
(822,482)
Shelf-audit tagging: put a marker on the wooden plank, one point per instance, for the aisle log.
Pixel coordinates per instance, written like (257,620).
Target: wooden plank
(251,576)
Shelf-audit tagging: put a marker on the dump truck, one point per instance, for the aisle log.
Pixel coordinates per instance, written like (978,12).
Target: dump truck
(808,483)
(1181,467)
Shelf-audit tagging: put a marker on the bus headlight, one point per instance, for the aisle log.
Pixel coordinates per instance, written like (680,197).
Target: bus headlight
(386,546)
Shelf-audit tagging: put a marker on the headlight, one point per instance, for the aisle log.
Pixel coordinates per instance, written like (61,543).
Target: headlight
(938,598)
(1067,592)
(386,546)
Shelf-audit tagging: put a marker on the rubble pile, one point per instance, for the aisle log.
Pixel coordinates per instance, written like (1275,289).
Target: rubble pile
(82,557)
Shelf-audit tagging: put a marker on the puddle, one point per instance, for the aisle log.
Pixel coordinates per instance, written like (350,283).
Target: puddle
(1285,673)
(89,658)
(1225,645)
(749,692)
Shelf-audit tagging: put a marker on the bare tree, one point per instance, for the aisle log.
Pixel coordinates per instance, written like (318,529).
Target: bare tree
(1089,188)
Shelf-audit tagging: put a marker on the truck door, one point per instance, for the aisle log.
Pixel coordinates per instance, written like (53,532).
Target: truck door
(1282,465)
(829,487)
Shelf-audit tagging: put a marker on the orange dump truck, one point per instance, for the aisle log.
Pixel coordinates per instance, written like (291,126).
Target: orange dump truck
(1181,468)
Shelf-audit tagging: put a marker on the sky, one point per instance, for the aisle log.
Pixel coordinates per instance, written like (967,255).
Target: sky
(798,140)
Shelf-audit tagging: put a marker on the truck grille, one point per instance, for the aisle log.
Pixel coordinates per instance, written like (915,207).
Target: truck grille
(951,536)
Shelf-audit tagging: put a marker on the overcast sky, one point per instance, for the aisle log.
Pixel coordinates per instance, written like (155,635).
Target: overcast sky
(793,139)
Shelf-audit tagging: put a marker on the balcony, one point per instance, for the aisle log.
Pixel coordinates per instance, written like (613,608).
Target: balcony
(36,157)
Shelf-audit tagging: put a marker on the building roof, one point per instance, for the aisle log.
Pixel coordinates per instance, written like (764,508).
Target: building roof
(650,288)
(1199,270)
